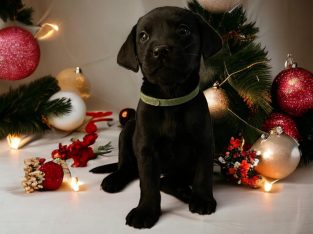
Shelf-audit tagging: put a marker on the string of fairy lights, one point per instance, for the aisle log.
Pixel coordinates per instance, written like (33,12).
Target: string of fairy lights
(216,97)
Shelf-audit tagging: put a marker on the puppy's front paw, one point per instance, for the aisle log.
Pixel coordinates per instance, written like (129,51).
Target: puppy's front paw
(142,217)
(202,206)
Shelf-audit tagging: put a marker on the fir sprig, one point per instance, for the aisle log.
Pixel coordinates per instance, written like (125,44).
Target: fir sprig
(15,10)
(248,86)
(22,110)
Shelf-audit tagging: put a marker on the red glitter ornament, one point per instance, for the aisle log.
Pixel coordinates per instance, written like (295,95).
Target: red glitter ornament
(292,90)
(287,123)
(19,53)
(53,175)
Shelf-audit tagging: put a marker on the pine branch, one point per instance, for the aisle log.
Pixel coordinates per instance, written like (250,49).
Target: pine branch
(15,10)
(22,110)
(56,107)
(25,16)
(245,66)
(232,26)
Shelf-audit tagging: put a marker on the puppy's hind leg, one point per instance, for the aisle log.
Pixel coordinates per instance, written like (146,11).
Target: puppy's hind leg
(127,165)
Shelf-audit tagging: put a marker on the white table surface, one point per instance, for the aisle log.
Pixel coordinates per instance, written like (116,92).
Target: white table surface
(288,209)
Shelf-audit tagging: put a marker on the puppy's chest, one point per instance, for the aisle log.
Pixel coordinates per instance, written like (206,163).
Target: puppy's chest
(172,125)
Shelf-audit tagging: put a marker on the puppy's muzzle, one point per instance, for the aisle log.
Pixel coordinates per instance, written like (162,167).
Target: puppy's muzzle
(161,51)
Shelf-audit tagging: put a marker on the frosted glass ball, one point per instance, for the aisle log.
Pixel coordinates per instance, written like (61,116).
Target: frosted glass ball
(279,154)
(73,119)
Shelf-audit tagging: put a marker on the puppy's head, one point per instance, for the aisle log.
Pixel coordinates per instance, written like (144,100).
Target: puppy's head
(167,44)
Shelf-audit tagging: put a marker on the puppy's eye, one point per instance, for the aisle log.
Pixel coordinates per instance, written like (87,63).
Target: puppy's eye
(143,36)
(183,30)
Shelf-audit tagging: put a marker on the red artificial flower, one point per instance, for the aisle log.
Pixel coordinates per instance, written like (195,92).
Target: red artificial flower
(80,151)
(234,143)
(251,156)
(246,147)
(231,171)
(61,153)
(82,156)
(252,182)
(236,155)
(244,168)
(90,139)
(91,127)
(238,164)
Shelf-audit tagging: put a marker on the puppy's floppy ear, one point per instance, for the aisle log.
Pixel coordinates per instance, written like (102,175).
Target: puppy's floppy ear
(211,41)
(127,56)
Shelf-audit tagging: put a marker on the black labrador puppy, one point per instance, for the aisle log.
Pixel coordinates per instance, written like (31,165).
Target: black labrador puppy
(170,143)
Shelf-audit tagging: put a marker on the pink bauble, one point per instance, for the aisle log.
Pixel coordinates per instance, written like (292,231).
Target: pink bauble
(19,53)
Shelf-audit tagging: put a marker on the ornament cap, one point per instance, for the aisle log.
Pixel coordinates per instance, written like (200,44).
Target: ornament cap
(216,84)
(78,70)
(264,136)
(290,62)
(279,130)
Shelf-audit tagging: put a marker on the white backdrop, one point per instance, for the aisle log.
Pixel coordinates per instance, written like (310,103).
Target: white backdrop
(91,33)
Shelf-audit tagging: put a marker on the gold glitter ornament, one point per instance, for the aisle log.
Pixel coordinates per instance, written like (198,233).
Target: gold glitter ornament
(72,79)
(279,154)
(217,101)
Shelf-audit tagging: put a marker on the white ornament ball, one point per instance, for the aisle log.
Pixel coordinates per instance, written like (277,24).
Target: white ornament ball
(219,5)
(72,120)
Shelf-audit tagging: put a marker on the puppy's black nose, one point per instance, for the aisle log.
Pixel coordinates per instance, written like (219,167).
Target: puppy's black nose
(161,51)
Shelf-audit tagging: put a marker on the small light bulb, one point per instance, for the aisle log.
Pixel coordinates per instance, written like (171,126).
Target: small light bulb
(75,184)
(46,31)
(268,186)
(14,141)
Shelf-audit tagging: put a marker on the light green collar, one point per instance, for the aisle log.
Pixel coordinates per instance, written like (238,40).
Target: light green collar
(169,102)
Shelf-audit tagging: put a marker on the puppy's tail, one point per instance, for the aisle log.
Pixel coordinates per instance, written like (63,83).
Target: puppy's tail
(108,168)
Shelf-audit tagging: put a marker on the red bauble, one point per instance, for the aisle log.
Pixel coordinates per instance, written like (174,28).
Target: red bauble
(53,175)
(125,115)
(292,91)
(287,123)
(19,53)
